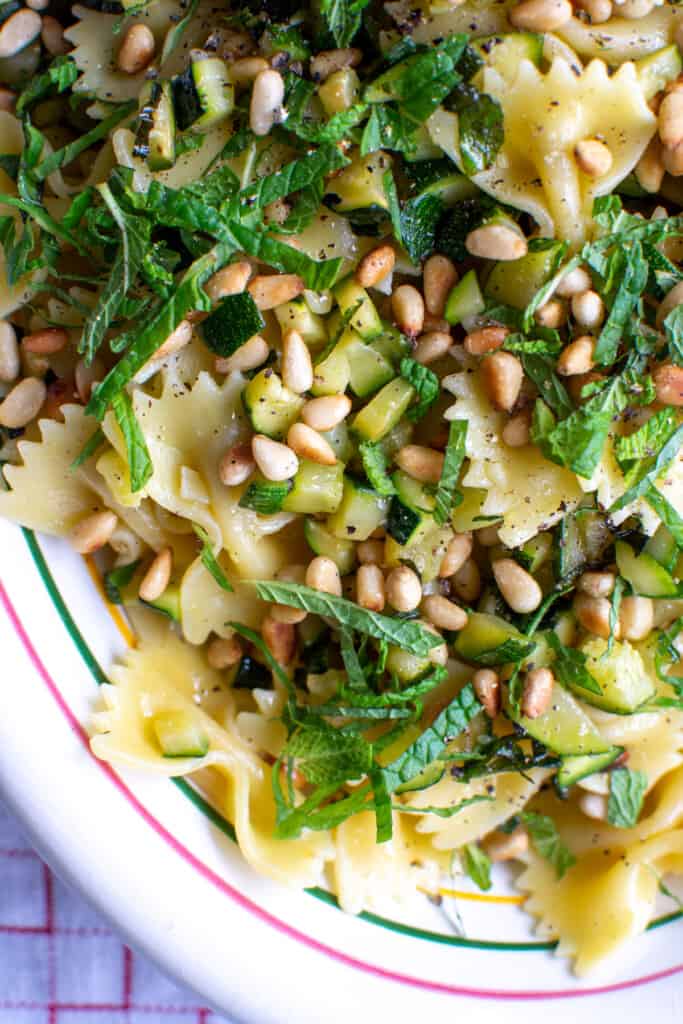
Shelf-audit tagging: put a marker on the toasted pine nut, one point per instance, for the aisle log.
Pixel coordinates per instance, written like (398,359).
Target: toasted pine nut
(224,652)
(518,587)
(670,120)
(47,341)
(577,357)
(370,552)
(596,584)
(23,403)
(540,15)
(438,279)
(375,266)
(668,381)
(246,69)
(444,614)
(59,392)
(458,551)
(38,5)
(176,340)
(649,170)
(573,283)
(672,158)
(283,612)
(297,368)
(93,532)
(593,805)
(593,157)
(327,62)
(8,99)
(20,29)
(496,242)
(552,314)
(230,280)
(157,577)
(86,375)
(593,614)
(266,102)
(517,431)
(236,465)
(276,461)
(52,35)
(588,309)
(467,581)
(136,50)
(326,412)
(421,463)
(485,339)
(502,376)
(488,536)
(247,357)
(403,589)
(409,309)
(501,847)
(432,346)
(437,655)
(307,443)
(599,11)
(636,617)
(322,574)
(274,289)
(537,692)
(370,587)
(486,685)
(435,323)
(279,638)
(636,9)
(9,353)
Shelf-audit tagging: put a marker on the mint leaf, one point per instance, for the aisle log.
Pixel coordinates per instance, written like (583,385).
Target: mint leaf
(426,384)
(325,754)
(389,186)
(444,812)
(450,473)
(382,805)
(541,369)
(570,666)
(626,795)
(375,467)
(480,128)
(94,442)
(69,152)
(428,78)
(419,219)
(633,276)
(139,462)
(477,865)
(343,18)
(673,326)
(666,512)
(209,560)
(655,467)
(547,843)
(60,76)
(388,128)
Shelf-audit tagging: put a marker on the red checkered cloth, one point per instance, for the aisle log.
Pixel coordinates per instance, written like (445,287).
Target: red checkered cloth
(61,964)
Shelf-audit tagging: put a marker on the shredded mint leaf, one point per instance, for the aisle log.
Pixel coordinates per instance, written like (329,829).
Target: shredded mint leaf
(673,326)
(382,805)
(655,467)
(452,464)
(570,666)
(477,865)
(176,32)
(546,841)
(419,219)
(61,75)
(388,128)
(666,512)
(139,462)
(626,795)
(633,273)
(390,192)
(480,128)
(444,812)
(426,384)
(375,467)
(541,369)
(325,754)
(209,560)
(644,444)
(95,441)
(428,78)
(69,152)
(343,18)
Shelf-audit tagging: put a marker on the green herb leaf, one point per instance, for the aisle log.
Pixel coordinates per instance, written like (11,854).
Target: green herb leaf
(69,152)
(426,384)
(375,467)
(626,795)
(541,369)
(390,192)
(570,666)
(139,462)
(176,31)
(428,78)
(209,560)
(419,220)
(450,473)
(477,865)
(633,270)
(382,805)
(249,203)
(444,812)
(667,513)
(94,442)
(343,18)
(654,467)
(673,326)
(325,754)
(116,579)
(60,76)
(388,128)
(480,128)
(547,843)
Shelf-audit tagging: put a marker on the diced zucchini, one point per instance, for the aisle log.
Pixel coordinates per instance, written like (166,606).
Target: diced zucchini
(265,496)
(657,69)
(663,548)
(352,298)
(535,552)
(623,678)
(384,411)
(403,522)
(121,584)
(331,375)
(425,552)
(340,91)
(270,406)
(432,774)
(577,767)
(382,88)
(179,734)
(391,344)
(234,321)
(489,640)
(340,441)
(504,52)
(203,95)
(397,438)
(452,188)
(361,511)
(644,573)
(465,300)
(155,138)
(405,665)
(515,282)
(168,603)
(410,509)
(358,191)
(316,490)
(297,316)
(564,728)
(582,540)
(368,369)
(322,542)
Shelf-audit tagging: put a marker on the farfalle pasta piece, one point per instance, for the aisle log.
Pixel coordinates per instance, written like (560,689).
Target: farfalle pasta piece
(545,116)
(621,39)
(207,608)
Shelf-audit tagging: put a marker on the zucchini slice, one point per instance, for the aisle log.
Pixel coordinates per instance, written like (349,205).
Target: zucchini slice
(515,282)
(353,299)
(322,542)
(384,411)
(361,511)
(297,316)
(270,406)
(579,766)
(410,509)
(658,68)
(203,95)
(490,640)
(358,191)
(265,496)
(179,734)
(645,574)
(663,548)
(622,676)
(465,300)
(234,321)
(316,489)
(155,137)
(564,728)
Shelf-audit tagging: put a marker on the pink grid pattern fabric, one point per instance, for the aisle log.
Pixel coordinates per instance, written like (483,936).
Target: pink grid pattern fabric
(60,963)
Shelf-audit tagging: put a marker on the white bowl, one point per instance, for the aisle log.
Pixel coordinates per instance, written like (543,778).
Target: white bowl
(151,855)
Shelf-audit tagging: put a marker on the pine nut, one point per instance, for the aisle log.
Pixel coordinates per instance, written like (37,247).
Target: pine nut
(553,314)
(668,381)
(234,44)
(245,70)
(593,614)
(672,158)
(266,102)
(635,9)
(370,587)
(52,35)
(59,392)
(537,692)
(540,15)
(38,5)
(458,551)
(272,290)
(435,323)
(496,242)
(326,412)
(424,464)
(236,465)
(485,339)
(409,309)
(577,357)
(502,376)
(593,157)
(588,309)
(375,266)
(488,536)
(593,805)
(438,279)
(20,29)
(86,375)
(9,353)
(309,444)
(486,685)
(437,655)
(279,638)
(599,11)
(501,847)
(297,367)
(275,460)
(467,581)
(673,298)
(649,170)
(670,120)
(403,589)
(46,342)
(93,532)
(432,346)
(579,381)
(370,552)
(573,283)
(327,62)
(517,431)
(8,100)
(596,584)
(224,652)
(283,612)
(176,340)
(250,355)
(23,403)
(157,577)
(137,50)
(444,614)
(231,280)
(518,587)
(322,574)
(636,617)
